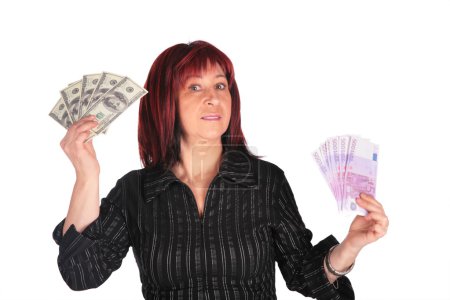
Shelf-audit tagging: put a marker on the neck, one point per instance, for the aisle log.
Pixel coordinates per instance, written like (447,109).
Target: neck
(200,161)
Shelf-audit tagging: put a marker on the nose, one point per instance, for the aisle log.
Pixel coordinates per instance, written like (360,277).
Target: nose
(212,97)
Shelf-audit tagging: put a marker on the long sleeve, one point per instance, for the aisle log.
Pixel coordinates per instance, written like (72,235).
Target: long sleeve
(300,263)
(87,259)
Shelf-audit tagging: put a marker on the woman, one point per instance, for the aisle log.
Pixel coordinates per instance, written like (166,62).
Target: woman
(205,217)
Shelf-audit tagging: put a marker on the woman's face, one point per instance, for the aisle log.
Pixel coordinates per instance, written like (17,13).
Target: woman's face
(201,95)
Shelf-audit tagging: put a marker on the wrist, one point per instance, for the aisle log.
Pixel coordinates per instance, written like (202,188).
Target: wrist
(87,179)
(349,249)
(343,256)
(87,173)
(331,270)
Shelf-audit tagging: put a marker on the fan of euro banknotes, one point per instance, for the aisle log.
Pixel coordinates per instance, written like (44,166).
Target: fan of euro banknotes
(105,95)
(349,165)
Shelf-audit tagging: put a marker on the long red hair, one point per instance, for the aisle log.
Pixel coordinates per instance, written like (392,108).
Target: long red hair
(159,130)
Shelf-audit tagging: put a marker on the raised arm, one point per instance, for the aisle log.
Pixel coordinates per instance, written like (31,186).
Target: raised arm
(92,239)
(84,204)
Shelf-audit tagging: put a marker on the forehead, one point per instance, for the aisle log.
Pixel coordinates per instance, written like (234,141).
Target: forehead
(199,67)
(209,70)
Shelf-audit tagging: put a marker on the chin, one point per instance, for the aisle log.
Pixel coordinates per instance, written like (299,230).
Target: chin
(213,135)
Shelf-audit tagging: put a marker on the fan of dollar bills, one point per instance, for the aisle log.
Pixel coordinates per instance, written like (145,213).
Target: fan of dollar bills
(104,95)
(349,165)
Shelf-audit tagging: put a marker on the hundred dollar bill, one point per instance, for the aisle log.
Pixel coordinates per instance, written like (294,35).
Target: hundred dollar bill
(60,114)
(113,103)
(71,96)
(105,83)
(88,85)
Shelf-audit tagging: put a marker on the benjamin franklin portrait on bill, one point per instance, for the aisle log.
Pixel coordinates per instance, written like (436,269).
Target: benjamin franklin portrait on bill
(115,102)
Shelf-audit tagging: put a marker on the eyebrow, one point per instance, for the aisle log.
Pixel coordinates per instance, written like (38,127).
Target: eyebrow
(198,76)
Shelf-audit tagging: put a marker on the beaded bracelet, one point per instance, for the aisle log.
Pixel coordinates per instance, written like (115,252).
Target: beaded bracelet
(331,269)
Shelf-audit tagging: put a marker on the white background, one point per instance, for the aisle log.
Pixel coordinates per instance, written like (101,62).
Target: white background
(306,71)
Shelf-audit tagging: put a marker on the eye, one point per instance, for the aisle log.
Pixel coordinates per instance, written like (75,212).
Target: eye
(221,86)
(194,87)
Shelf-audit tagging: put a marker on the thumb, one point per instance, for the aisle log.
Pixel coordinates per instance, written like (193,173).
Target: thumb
(90,147)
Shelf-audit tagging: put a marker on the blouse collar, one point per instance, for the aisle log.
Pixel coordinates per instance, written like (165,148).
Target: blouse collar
(236,169)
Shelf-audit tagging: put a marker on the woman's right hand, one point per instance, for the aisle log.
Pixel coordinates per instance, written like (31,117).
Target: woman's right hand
(82,155)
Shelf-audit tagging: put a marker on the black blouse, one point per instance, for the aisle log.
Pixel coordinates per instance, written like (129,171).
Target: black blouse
(250,220)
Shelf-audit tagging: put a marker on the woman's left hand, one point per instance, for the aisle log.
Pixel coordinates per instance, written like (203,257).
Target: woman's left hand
(367,229)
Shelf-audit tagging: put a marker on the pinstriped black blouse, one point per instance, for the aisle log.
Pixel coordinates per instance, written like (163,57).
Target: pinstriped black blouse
(250,221)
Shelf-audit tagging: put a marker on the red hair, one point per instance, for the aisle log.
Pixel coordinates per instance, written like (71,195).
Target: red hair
(159,130)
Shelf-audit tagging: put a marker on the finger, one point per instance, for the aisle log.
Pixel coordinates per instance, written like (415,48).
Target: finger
(82,136)
(86,126)
(62,143)
(73,134)
(369,205)
(90,146)
(82,121)
(378,230)
(369,198)
(379,218)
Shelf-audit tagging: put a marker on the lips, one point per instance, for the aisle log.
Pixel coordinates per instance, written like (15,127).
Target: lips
(211,117)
